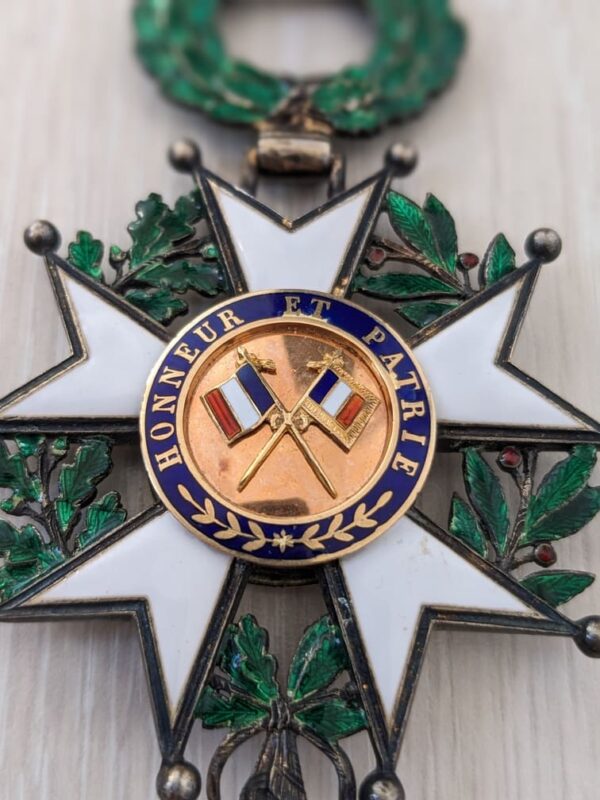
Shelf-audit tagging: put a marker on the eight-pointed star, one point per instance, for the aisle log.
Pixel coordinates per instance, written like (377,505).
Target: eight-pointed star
(411,577)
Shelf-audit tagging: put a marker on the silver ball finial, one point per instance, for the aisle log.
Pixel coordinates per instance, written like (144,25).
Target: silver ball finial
(41,237)
(381,785)
(179,781)
(543,245)
(184,155)
(588,639)
(402,158)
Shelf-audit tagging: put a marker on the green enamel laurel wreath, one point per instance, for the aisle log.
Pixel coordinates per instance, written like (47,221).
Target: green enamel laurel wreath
(51,485)
(246,696)
(557,507)
(167,259)
(418,44)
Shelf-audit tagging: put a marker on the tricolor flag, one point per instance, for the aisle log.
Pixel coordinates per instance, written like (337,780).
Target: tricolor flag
(340,405)
(241,404)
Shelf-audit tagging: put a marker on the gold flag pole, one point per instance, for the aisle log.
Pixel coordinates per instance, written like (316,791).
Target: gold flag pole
(289,426)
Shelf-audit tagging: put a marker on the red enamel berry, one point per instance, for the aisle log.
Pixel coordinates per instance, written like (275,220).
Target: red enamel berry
(544,555)
(468,260)
(376,256)
(510,458)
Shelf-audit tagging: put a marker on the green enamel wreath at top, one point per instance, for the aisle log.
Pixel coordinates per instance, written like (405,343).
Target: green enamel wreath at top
(418,44)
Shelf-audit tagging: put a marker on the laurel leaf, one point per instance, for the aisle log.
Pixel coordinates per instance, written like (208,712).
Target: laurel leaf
(561,485)
(203,519)
(444,230)
(256,530)
(209,507)
(411,225)
(318,660)
(160,304)
(101,517)
(487,497)
(419,47)
(336,522)
(465,526)
(424,312)
(558,586)
(383,500)
(185,493)
(308,538)
(498,261)
(155,230)
(226,534)
(333,719)
(343,536)
(567,520)
(253,545)
(398,286)
(313,544)
(86,254)
(310,532)
(365,522)
(232,521)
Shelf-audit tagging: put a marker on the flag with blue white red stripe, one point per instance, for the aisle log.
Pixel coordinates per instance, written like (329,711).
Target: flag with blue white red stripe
(240,404)
(338,403)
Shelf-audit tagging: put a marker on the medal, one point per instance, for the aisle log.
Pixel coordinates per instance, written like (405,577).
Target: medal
(289,385)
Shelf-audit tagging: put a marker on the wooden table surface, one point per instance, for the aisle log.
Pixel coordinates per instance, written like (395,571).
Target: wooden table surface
(512,146)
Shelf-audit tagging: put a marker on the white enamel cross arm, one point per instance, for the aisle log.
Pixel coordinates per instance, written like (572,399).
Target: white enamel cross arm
(113,348)
(180,593)
(413,577)
(264,251)
(466,356)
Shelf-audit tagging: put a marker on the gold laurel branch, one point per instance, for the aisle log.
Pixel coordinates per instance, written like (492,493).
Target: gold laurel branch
(231,528)
(257,539)
(362,519)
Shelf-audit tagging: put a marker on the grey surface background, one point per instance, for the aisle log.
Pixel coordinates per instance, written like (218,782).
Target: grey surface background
(513,145)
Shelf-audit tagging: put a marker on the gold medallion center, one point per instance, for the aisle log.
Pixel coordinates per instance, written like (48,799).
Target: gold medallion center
(287,419)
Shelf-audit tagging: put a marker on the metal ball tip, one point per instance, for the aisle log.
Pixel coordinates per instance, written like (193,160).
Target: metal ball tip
(178,781)
(41,237)
(184,155)
(543,244)
(381,785)
(401,158)
(588,638)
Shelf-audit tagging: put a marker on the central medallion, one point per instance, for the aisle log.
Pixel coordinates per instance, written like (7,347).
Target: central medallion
(287,427)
